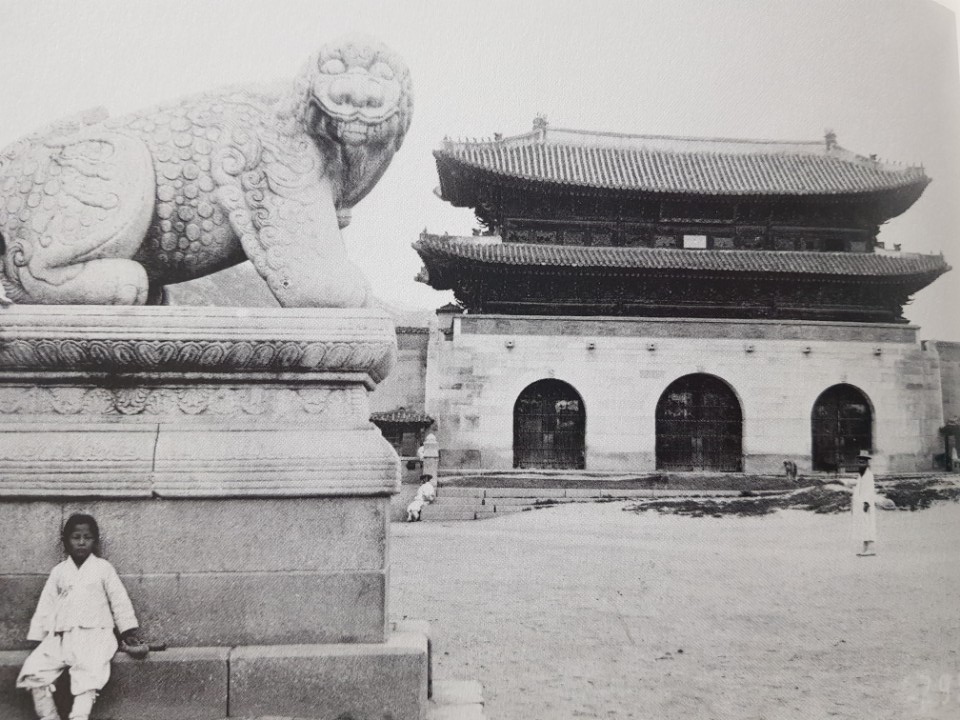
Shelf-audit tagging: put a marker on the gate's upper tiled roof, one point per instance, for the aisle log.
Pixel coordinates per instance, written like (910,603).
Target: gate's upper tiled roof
(864,265)
(679,165)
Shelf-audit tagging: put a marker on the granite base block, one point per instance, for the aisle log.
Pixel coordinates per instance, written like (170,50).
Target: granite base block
(144,536)
(226,609)
(269,608)
(14,704)
(326,682)
(176,683)
(368,681)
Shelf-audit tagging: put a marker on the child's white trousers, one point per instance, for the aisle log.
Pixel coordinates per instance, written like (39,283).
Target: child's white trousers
(85,651)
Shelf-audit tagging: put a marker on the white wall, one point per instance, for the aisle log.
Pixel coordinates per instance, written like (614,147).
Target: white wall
(474,380)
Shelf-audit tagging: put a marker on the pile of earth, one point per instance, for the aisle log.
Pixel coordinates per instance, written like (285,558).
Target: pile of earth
(920,494)
(913,494)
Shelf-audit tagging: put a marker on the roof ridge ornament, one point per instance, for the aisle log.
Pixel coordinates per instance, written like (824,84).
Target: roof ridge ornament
(540,125)
(830,138)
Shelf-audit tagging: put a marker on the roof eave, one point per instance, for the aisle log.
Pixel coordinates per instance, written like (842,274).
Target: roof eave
(452,189)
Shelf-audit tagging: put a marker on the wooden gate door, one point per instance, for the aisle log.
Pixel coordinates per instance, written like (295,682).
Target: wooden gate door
(699,426)
(549,423)
(842,426)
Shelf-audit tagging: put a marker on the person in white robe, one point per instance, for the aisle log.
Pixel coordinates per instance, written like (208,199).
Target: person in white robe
(426,494)
(863,505)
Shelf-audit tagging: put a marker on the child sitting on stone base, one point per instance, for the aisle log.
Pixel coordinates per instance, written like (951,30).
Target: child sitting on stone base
(81,603)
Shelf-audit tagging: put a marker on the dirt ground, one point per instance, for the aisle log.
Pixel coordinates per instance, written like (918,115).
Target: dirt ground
(587,611)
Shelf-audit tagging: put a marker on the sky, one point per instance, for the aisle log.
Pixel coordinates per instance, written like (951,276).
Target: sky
(883,74)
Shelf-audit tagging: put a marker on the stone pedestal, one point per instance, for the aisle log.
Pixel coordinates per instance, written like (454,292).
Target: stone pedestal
(241,490)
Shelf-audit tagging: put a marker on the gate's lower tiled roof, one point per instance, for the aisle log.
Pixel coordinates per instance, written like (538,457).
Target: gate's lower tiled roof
(872,265)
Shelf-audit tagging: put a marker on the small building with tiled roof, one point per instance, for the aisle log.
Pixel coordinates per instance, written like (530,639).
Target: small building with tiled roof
(397,407)
(404,429)
(636,302)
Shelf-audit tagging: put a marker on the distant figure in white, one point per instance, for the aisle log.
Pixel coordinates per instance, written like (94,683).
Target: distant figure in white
(863,505)
(426,494)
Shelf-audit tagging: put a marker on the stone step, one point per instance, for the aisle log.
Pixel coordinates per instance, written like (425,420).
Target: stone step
(459,501)
(460,491)
(471,711)
(362,681)
(525,492)
(504,501)
(334,680)
(141,689)
(440,512)
(456,700)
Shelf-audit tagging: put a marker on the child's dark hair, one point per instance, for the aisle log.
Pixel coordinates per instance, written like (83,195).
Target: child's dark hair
(79,519)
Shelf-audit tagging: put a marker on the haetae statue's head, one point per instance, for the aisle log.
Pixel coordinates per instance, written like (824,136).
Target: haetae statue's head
(355,95)
(360,93)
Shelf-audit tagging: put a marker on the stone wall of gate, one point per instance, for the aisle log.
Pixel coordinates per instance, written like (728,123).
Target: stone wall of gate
(620,367)
(949,354)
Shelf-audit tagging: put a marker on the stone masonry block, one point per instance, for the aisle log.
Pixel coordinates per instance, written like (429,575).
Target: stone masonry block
(155,536)
(176,683)
(360,681)
(14,704)
(200,573)
(458,692)
(242,535)
(18,600)
(212,609)
(250,608)
(33,542)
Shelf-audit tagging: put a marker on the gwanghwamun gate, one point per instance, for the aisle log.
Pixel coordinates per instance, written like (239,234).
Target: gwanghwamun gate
(640,303)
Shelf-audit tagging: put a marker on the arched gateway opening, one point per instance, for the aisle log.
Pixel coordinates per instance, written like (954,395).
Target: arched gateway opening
(699,426)
(549,423)
(842,426)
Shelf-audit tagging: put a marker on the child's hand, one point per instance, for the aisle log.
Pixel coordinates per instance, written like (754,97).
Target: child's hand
(133,646)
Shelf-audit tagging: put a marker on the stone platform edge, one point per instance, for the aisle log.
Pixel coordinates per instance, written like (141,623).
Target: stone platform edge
(361,680)
(37,340)
(101,401)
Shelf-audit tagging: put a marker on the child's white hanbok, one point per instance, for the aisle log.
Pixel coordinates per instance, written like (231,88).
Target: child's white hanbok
(74,621)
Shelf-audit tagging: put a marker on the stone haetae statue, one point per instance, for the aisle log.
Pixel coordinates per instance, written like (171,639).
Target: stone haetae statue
(97,210)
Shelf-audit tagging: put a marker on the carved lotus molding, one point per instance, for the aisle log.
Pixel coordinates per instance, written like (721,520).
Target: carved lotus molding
(197,340)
